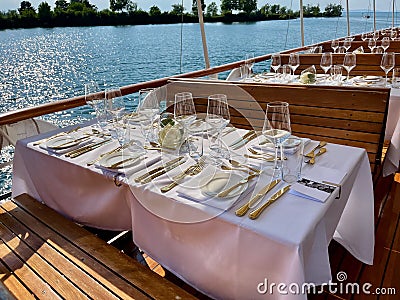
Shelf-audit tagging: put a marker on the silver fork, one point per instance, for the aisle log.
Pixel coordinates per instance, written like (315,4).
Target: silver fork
(192,170)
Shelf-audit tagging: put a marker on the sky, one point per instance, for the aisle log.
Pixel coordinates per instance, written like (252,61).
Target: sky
(165,5)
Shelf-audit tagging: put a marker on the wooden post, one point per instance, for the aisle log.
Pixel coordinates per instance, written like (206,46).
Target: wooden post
(203,34)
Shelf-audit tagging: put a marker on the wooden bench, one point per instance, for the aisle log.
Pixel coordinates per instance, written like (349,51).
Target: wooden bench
(45,256)
(367,64)
(353,116)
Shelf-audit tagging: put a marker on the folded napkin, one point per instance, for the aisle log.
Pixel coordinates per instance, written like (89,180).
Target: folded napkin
(318,184)
(46,145)
(140,161)
(195,189)
(269,147)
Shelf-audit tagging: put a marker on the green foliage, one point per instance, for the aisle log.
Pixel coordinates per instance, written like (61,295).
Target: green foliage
(154,11)
(212,10)
(177,9)
(44,12)
(333,10)
(126,12)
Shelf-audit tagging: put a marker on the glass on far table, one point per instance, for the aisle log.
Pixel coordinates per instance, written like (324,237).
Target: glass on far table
(336,74)
(349,62)
(396,78)
(387,63)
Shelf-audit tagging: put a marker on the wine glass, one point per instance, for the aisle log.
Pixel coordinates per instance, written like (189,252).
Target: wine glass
(115,102)
(147,111)
(387,63)
(347,44)
(385,43)
(326,62)
(277,126)
(95,98)
(335,45)
(364,36)
(294,61)
(249,61)
(185,112)
(217,118)
(393,34)
(375,35)
(349,62)
(371,44)
(275,62)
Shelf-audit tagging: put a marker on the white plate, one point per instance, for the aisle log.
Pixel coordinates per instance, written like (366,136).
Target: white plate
(58,142)
(130,158)
(372,78)
(266,75)
(218,182)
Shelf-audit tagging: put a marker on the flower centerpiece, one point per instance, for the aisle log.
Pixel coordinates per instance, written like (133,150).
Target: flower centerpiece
(171,132)
(307,76)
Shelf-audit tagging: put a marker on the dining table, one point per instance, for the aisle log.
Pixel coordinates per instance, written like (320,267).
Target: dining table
(392,132)
(196,234)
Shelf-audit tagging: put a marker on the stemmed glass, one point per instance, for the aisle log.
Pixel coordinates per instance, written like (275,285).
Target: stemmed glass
(95,98)
(335,45)
(375,35)
(217,118)
(294,61)
(347,44)
(364,36)
(371,44)
(326,62)
(185,111)
(147,110)
(277,126)
(393,35)
(116,106)
(385,43)
(249,61)
(387,63)
(275,62)
(349,62)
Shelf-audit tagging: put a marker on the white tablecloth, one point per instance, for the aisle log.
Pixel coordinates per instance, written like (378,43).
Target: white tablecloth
(220,254)
(391,164)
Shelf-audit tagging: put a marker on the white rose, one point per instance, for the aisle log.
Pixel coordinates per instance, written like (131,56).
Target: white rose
(170,136)
(307,77)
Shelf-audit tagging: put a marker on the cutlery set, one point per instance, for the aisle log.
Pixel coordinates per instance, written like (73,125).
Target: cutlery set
(196,168)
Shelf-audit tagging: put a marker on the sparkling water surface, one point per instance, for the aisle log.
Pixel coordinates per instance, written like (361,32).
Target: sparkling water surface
(43,65)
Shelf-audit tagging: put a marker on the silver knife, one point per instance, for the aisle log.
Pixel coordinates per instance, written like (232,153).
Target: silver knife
(158,169)
(241,138)
(245,141)
(257,212)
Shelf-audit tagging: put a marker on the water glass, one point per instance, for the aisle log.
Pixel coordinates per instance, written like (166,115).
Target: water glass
(396,78)
(294,61)
(148,109)
(336,74)
(335,45)
(291,167)
(349,63)
(244,72)
(387,63)
(115,103)
(326,62)
(195,142)
(275,62)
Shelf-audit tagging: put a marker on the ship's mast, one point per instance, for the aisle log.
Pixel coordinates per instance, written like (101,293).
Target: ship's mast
(348,17)
(203,33)
(374,7)
(301,23)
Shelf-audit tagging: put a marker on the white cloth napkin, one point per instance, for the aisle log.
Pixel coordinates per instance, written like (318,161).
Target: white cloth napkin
(269,147)
(192,190)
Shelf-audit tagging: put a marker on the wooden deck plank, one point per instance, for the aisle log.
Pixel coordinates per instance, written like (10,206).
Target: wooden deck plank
(70,271)
(121,265)
(23,271)
(392,276)
(52,277)
(14,286)
(72,252)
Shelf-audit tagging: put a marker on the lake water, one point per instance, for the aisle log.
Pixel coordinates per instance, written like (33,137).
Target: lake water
(42,65)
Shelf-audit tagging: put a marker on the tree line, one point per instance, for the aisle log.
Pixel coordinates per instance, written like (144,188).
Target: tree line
(126,12)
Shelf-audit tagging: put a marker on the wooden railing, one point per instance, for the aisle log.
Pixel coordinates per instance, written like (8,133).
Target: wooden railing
(48,108)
